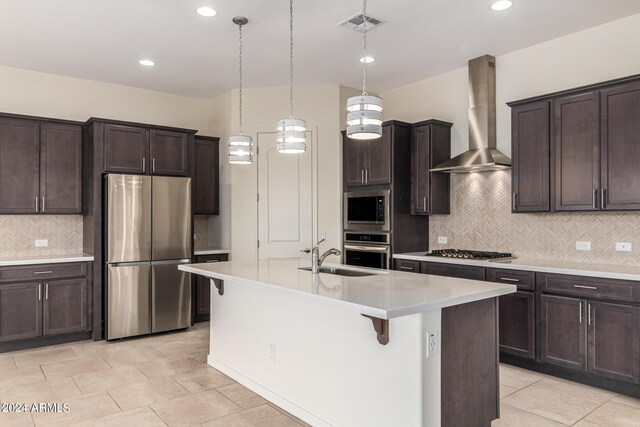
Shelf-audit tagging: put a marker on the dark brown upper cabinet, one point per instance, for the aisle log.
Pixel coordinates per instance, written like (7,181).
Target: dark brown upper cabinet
(368,162)
(206,181)
(126,149)
(168,152)
(576,148)
(430,146)
(620,147)
(530,157)
(40,167)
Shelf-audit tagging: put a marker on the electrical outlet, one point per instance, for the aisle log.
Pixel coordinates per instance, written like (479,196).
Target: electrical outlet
(42,243)
(623,246)
(443,240)
(271,353)
(433,343)
(583,246)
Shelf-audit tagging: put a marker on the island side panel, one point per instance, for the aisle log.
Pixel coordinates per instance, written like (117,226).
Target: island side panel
(326,366)
(470,386)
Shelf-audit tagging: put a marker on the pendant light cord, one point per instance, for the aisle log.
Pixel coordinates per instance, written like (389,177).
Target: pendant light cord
(240,72)
(290,59)
(364,48)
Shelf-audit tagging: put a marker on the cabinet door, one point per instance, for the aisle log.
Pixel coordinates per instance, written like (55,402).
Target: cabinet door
(576,148)
(563,326)
(420,164)
(65,306)
(620,147)
(517,324)
(126,149)
(530,152)
(20,311)
(60,169)
(168,153)
(614,341)
(206,178)
(19,166)
(356,157)
(378,170)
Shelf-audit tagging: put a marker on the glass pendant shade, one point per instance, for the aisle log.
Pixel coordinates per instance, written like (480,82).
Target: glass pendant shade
(364,120)
(240,150)
(291,136)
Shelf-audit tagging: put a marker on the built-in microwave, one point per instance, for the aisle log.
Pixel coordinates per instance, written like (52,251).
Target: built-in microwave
(367,210)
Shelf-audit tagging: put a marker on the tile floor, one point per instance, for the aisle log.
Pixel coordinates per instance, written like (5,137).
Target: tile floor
(164,380)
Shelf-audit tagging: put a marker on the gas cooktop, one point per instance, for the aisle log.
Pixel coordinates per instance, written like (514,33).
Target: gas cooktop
(467,254)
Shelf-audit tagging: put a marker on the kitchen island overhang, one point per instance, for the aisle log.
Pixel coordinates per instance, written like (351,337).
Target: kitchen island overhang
(300,341)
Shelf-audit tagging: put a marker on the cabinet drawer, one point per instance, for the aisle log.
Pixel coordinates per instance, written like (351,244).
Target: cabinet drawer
(524,280)
(212,258)
(452,270)
(43,272)
(607,289)
(407,265)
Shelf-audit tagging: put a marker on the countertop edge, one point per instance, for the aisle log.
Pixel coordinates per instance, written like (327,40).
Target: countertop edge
(53,260)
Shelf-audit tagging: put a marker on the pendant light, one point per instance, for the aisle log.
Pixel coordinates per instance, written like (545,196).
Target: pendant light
(364,117)
(240,146)
(292,133)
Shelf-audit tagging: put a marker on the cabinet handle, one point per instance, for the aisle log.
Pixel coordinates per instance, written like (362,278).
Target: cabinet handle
(593,288)
(37,203)
(366,176)
(362,176)
(39,292)
(153,165)
(595,198)
(213,260)
(589,314)
(509,279)
(424,204)
(46,291)
(580,311)
(603,196)
(43,272)
(144,165)
(513,201)
(42,203)
(403,267)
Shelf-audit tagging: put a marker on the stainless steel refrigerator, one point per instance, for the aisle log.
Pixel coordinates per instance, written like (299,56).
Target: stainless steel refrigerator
(148,234)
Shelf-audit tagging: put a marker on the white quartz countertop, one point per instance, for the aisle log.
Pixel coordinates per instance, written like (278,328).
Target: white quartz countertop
(40,259)
(605,271)
(386,294)
(211,251)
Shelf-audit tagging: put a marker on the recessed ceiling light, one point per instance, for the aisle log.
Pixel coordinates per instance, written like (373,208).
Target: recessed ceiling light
(147,62)
(206,11)
(501,5)
(367,59)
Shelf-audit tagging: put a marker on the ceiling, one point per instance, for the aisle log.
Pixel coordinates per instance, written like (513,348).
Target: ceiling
(196,56)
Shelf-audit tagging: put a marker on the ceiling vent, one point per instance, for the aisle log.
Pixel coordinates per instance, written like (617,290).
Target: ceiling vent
(356,23)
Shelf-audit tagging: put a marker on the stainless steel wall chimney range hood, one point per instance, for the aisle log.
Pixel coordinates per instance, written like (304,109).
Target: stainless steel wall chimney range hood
(482,155)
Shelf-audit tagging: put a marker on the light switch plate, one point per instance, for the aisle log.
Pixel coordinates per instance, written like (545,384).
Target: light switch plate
(583,246)
(623,246)
(443,240)
(42,243)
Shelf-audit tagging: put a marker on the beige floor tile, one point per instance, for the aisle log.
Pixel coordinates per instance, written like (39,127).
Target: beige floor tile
(627,399)
(44,356)
(95,382)
(294,418)
(141,394)
(97,348)
(6,363)
(141,417)
(200,357)
(55,391)
(16,419)
(518,378)
(260,416)
(505,391)
(82,409)
(615,414)
(561,401)
(242,396)
(75,367)
(166,367)
(19,377)
(195,408)
(202,378)
(183,348)
(149,341)
(511,416)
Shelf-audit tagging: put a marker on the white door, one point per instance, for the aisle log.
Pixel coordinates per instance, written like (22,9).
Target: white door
(285,199)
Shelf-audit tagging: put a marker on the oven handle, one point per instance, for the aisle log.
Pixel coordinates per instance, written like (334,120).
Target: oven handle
(376,249)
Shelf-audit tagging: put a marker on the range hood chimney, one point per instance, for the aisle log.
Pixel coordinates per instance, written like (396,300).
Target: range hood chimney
(482,156)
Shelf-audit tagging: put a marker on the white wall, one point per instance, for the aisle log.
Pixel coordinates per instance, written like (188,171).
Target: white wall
(597,54)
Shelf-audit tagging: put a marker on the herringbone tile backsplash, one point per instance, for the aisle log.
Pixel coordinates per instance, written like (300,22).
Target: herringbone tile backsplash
(481,219)
(201,231)
(19,232)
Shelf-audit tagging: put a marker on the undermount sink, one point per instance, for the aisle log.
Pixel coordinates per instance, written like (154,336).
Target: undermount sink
(340,271)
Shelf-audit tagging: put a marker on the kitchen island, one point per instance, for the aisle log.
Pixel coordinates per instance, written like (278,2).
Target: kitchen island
(383,349)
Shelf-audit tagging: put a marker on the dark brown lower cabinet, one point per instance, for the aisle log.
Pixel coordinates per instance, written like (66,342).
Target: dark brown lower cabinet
(202,289)
(65,306)
(517,324)
(563,331)
(20,311)
(452,270)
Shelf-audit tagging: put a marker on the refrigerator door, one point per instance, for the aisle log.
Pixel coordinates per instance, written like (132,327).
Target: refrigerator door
(128,300)
(171,296)
(128,218)
(171,218)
